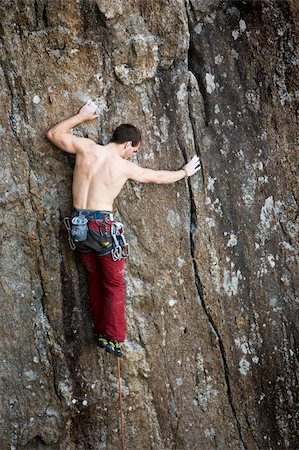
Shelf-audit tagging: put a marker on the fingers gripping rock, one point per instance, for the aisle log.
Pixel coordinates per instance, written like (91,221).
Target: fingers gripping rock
(89,110)
(192,166)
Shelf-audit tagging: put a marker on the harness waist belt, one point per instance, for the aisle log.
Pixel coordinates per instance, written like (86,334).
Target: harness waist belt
(95,215)
(99,215)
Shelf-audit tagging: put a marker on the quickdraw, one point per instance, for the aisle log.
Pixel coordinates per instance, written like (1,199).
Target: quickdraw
(67,224)
(121,247)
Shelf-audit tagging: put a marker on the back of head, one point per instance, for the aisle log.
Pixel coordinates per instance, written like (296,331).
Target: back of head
(126,132)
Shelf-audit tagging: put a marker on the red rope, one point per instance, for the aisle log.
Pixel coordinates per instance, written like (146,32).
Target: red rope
(120,407)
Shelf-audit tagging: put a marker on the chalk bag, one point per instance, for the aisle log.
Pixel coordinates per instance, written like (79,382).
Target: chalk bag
(79,228)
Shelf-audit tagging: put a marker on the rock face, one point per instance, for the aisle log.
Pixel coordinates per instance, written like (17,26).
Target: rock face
(211,360)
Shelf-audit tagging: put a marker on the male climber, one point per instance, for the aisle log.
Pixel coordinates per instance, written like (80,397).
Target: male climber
(99,175)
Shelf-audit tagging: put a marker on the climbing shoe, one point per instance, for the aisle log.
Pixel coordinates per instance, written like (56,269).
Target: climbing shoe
(102,342)
(115,348)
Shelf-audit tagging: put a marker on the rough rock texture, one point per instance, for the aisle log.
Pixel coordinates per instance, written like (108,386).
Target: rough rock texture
(211,360)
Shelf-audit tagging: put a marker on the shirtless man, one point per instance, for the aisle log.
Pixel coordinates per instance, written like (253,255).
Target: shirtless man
(99,175)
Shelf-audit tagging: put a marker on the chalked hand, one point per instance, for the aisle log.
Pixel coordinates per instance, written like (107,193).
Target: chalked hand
(192,166)
(88,111)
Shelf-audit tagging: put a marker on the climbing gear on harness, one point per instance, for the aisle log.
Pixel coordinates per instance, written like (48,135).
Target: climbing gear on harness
(120,247)
(79,228)
(124,244)
(114,347)
(67,225)
(102,342)
(96,231)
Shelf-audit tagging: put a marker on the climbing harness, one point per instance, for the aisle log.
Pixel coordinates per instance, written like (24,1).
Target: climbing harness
(120,406)
(96,230)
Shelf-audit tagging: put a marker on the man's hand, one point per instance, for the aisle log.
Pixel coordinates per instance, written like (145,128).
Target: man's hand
(88,111)
(192,166)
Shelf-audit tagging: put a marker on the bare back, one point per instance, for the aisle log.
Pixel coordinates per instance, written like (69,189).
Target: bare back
(99,176)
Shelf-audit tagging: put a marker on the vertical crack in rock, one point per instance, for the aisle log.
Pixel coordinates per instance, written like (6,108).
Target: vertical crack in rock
(198,284)
(36,12)
(39,272)
(13,100)
(193,227)
(199,287)
(191,53)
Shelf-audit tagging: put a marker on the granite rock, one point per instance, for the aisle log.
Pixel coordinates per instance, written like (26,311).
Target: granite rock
(211,357)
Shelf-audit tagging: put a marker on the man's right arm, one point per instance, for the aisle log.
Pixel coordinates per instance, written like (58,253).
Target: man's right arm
(143,175)
(59,134)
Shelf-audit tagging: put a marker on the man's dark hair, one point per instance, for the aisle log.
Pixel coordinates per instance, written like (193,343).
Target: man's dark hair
(126,132)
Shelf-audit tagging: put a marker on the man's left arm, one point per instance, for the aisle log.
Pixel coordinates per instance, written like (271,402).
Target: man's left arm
(59,134)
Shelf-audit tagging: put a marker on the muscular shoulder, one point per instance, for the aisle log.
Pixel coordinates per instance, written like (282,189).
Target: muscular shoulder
(129,167)
(85,146)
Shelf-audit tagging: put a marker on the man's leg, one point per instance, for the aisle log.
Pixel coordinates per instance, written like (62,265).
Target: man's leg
(95,291)
(114,290)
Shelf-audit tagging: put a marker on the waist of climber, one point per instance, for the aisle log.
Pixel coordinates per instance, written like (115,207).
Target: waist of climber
(91,215)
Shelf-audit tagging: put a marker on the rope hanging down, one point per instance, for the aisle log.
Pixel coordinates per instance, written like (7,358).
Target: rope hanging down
(120,406)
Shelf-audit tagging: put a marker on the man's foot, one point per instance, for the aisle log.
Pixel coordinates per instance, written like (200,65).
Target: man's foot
(102,341)
(114,347)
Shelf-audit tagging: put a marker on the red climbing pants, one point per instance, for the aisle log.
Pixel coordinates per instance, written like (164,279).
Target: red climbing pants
(107,294)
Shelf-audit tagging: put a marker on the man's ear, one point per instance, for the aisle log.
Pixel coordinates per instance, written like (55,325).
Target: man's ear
(128,145)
